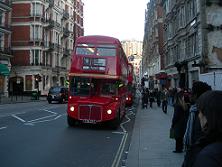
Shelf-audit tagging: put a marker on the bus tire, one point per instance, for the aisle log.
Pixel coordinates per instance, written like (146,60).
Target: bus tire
(71,122)
(116,122)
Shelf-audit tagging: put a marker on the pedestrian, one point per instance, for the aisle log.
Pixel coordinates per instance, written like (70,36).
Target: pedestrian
(207,150)
(164,97)
(179,121)
(145,98)
(210,115)
(151,98)
(193,128)
(158,98)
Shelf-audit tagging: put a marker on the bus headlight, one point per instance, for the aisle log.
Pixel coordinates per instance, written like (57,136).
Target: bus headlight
(127,98)
(109,111)
(72,108)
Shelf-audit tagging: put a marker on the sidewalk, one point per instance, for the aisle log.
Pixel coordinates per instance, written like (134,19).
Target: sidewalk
(18,99)
(151,145)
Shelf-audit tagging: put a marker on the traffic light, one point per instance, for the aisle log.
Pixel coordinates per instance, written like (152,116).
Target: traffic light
(38,78)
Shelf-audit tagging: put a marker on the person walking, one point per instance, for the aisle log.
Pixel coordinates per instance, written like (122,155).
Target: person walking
(179,121)
(207,150)
(145,98)
(158,98)
(151,98)
(193,128)
(164,98)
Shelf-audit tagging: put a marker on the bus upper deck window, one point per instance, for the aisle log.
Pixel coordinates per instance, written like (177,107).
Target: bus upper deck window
(85,50)
(106,50)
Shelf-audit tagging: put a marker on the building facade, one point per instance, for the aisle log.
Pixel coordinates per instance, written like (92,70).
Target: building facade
(192,35)
(5,45)
(153,60)
(133,50)
(43,35)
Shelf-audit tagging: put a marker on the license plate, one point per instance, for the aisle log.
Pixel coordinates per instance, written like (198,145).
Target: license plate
(89,121)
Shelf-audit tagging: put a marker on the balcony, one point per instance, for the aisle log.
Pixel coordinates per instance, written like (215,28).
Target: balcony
(5,28)
(51,3)
(51,23)
(6,5)
(65,15)
(6,51)
(65,32)
(66,52)
(38,41)
(54,47)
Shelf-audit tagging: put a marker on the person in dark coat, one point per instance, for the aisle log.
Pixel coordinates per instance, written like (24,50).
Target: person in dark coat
(151,98)
(193,130)
(179,121)
(207,151)
(145,98)
(158,98)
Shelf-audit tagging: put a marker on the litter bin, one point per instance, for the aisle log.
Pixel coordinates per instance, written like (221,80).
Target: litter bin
(34,96)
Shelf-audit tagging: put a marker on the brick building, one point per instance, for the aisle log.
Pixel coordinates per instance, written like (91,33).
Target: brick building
(43,35)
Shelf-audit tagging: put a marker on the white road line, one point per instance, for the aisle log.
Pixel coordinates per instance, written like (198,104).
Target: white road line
(20,119)
(3,128)
(47,120)
(120,151)
(49,111)
(41,118)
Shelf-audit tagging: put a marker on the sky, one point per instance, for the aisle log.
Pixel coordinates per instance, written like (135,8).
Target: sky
(122,19)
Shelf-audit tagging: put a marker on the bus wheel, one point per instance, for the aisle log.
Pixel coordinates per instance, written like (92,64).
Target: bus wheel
(71,122)
(115,123)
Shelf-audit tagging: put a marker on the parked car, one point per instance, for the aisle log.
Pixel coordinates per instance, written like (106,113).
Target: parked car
(57,93)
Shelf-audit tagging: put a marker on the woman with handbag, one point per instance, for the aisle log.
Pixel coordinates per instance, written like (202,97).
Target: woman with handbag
(179,121)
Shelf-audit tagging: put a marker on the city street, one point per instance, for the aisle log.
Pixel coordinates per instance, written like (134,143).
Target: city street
(36,134)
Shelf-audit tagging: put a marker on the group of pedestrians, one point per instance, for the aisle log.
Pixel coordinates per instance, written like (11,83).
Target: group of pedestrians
(149,96)
(197,125)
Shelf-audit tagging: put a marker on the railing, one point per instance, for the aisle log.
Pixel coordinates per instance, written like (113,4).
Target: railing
(6,50)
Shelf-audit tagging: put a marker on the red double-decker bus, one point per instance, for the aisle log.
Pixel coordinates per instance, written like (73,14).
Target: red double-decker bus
(130,86)
(98,81)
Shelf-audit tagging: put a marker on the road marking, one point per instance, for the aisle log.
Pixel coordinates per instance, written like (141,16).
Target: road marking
(120,151)
(20,119)
(3,128)
(41,118)
(48,111)
(47,120)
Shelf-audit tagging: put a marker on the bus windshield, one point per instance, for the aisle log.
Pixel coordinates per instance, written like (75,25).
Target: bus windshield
(80,86)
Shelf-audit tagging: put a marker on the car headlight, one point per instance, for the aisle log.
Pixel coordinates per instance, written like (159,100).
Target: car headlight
(72,108)
(109,111)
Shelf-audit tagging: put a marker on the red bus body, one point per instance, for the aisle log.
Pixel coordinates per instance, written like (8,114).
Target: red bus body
(98,81)
(130,86)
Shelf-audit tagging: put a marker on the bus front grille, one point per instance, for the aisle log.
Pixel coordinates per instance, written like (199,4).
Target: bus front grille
(90,112)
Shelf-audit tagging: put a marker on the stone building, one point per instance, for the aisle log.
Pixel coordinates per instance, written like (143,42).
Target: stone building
(5,45)
(192,39)
(133,50)
(152,57)
(43,35)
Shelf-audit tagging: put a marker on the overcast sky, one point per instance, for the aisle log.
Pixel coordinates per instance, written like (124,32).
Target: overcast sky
(123,19)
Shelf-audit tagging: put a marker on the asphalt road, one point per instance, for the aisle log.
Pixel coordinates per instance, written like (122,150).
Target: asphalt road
(36,135)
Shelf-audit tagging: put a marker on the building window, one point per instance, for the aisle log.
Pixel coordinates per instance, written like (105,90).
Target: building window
(28,82)
(37,9)
(35,57)
(36,32)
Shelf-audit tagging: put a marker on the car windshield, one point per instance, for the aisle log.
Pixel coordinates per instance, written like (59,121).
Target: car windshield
(55,90)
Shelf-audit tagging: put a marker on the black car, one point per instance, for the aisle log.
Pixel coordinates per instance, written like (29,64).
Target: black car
(58,93)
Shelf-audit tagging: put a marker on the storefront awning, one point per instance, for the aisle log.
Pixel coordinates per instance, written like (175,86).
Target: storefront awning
(161,75)
(4,70)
